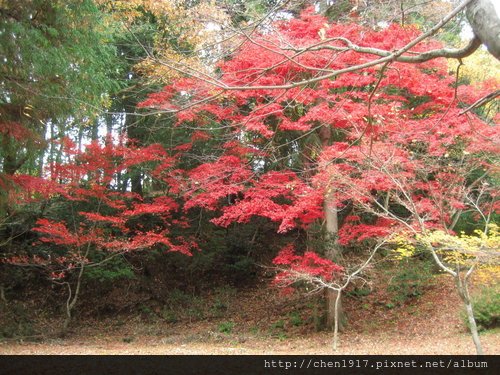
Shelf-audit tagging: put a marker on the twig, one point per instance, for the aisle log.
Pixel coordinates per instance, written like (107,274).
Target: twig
(480,102)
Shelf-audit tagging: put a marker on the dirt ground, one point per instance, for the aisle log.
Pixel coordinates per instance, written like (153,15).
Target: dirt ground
(313,344)
(258,322)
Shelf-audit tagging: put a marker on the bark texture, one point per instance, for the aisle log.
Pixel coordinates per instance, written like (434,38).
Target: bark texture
(485,23)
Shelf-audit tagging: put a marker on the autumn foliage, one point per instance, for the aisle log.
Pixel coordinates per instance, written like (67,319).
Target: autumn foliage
(114,221)
(387,146)
(295,267)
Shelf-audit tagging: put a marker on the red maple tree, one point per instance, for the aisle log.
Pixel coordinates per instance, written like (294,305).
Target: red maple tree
(385,143)
(102,219)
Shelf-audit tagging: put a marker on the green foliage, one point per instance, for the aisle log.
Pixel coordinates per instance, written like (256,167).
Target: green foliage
(318,315)
(390,305)
(486,308)
(409,281)
(318,239)
(359,292)
(282,336)
(295,319)
(226,255)
(187,306)
(226,327)
(179,298)
(146,310)
(58,58)
(255,330)
(340,9)
(110,271)
(468,222)
(280,324)
(277,330)
(242,11)
(170,316)
(58,68)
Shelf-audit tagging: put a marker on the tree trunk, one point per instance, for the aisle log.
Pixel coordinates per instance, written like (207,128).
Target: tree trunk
(331,298)
(463,291)
(72,299)
(11,164)
(41,164)
(135,133)
(94,130)
(80,138)
(338,319)
(473,328)
(334,313)
(485,22)
(333,252)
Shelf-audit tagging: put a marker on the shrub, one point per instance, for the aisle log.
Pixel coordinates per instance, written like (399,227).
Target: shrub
(486,309)
(295,319)
(111,271)
(225,327)
(410,280)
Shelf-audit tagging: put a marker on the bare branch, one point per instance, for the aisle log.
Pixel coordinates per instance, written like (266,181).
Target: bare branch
(482,101)
(449,53)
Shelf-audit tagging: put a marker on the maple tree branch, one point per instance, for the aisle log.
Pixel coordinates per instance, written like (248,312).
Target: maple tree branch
(469,273)
(385,56)
(450,53)
(390,57)
(284,55)
(482,101)
(484,20)
(439,262)
(319,284)
(458,213)
(370,103)
(475,205)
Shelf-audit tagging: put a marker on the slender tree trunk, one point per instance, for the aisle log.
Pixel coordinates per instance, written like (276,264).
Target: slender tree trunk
(72,299)
(41,165)
(109,126)
(134,132)
(11,164)
(463,291)
(80,138)
(41,157)
(333,301)
(473,328)
(335,315)
(52,150)
(338,321)
(94,131)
